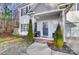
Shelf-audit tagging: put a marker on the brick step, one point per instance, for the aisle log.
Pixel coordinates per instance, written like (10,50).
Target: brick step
(43,40)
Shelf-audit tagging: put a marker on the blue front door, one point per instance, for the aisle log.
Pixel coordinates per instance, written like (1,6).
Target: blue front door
(45,29)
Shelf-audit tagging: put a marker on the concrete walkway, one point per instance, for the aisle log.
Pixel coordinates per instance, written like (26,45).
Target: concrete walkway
(73,44)
(42,49)
(35,49)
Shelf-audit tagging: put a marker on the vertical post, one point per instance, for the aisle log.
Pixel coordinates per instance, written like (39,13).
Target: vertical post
(76,6)
(63,18)
(70,32)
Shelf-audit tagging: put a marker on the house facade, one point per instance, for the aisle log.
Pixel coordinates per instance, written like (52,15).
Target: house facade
(24,18)
(72,28)
(44,20)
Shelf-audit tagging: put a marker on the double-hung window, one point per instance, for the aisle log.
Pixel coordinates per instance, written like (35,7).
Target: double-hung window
(25,10)
(77,6)
(23,27)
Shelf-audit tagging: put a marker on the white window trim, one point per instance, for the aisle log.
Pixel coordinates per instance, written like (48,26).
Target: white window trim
(24,28)
(25,7)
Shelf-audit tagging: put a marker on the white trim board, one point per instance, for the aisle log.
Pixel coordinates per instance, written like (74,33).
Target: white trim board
(58,10)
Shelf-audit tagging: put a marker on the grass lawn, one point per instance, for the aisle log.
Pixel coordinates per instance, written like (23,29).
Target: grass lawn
(11,39)
(12,45)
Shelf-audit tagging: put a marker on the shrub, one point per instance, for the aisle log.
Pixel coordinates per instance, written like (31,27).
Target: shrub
(58,37)
(30,33)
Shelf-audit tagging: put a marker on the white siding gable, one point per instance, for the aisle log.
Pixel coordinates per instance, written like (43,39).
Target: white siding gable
(42,7)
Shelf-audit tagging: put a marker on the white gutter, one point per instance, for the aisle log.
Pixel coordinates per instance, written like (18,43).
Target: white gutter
(48,12)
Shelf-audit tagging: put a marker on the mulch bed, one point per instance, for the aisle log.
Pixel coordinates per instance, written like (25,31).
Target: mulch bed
(64,49)
(5,34)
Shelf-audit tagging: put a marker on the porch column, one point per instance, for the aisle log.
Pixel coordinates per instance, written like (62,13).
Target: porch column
(63,18)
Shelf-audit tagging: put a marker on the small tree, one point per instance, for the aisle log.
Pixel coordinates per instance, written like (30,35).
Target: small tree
(30,33)
(7,16)
(58,37)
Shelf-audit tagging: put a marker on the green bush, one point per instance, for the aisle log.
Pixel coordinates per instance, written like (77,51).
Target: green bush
(30,33)
(58,37)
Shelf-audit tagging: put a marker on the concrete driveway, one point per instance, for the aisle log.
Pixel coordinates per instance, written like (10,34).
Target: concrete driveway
(73,43)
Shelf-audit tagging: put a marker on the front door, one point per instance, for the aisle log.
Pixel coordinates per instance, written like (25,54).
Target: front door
(45,28)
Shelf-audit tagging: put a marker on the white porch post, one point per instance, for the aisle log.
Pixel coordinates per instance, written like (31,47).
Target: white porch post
(63,18)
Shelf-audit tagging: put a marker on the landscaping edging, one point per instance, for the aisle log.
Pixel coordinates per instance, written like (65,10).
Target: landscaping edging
(64,49)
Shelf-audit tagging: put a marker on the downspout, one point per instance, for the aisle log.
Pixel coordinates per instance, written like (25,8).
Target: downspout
(64,18)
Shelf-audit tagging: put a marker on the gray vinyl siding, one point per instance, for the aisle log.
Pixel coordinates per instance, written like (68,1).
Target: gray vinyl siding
(42,7)
(73,8)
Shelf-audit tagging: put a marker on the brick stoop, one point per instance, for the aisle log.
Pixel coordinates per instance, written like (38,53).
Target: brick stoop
(43,40)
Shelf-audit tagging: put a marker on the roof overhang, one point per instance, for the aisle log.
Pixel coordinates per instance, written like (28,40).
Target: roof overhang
(48,13)
(70,24)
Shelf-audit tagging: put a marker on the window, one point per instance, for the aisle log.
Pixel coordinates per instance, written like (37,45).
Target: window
(35,29)
(25,10)
(24,27)
(45,28)
(77,6)
(21,12)
(29,7)
(45,24)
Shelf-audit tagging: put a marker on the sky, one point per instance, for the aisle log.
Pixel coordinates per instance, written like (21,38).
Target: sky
(11,6)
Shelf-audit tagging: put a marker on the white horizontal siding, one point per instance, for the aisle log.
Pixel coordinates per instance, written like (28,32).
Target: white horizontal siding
(73,16)
(52,25)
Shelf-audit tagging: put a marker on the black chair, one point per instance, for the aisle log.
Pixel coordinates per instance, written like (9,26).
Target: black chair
(53,34)
(38,33)
(35,35)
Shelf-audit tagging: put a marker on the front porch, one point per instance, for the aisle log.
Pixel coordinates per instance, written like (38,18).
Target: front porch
(47,23)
